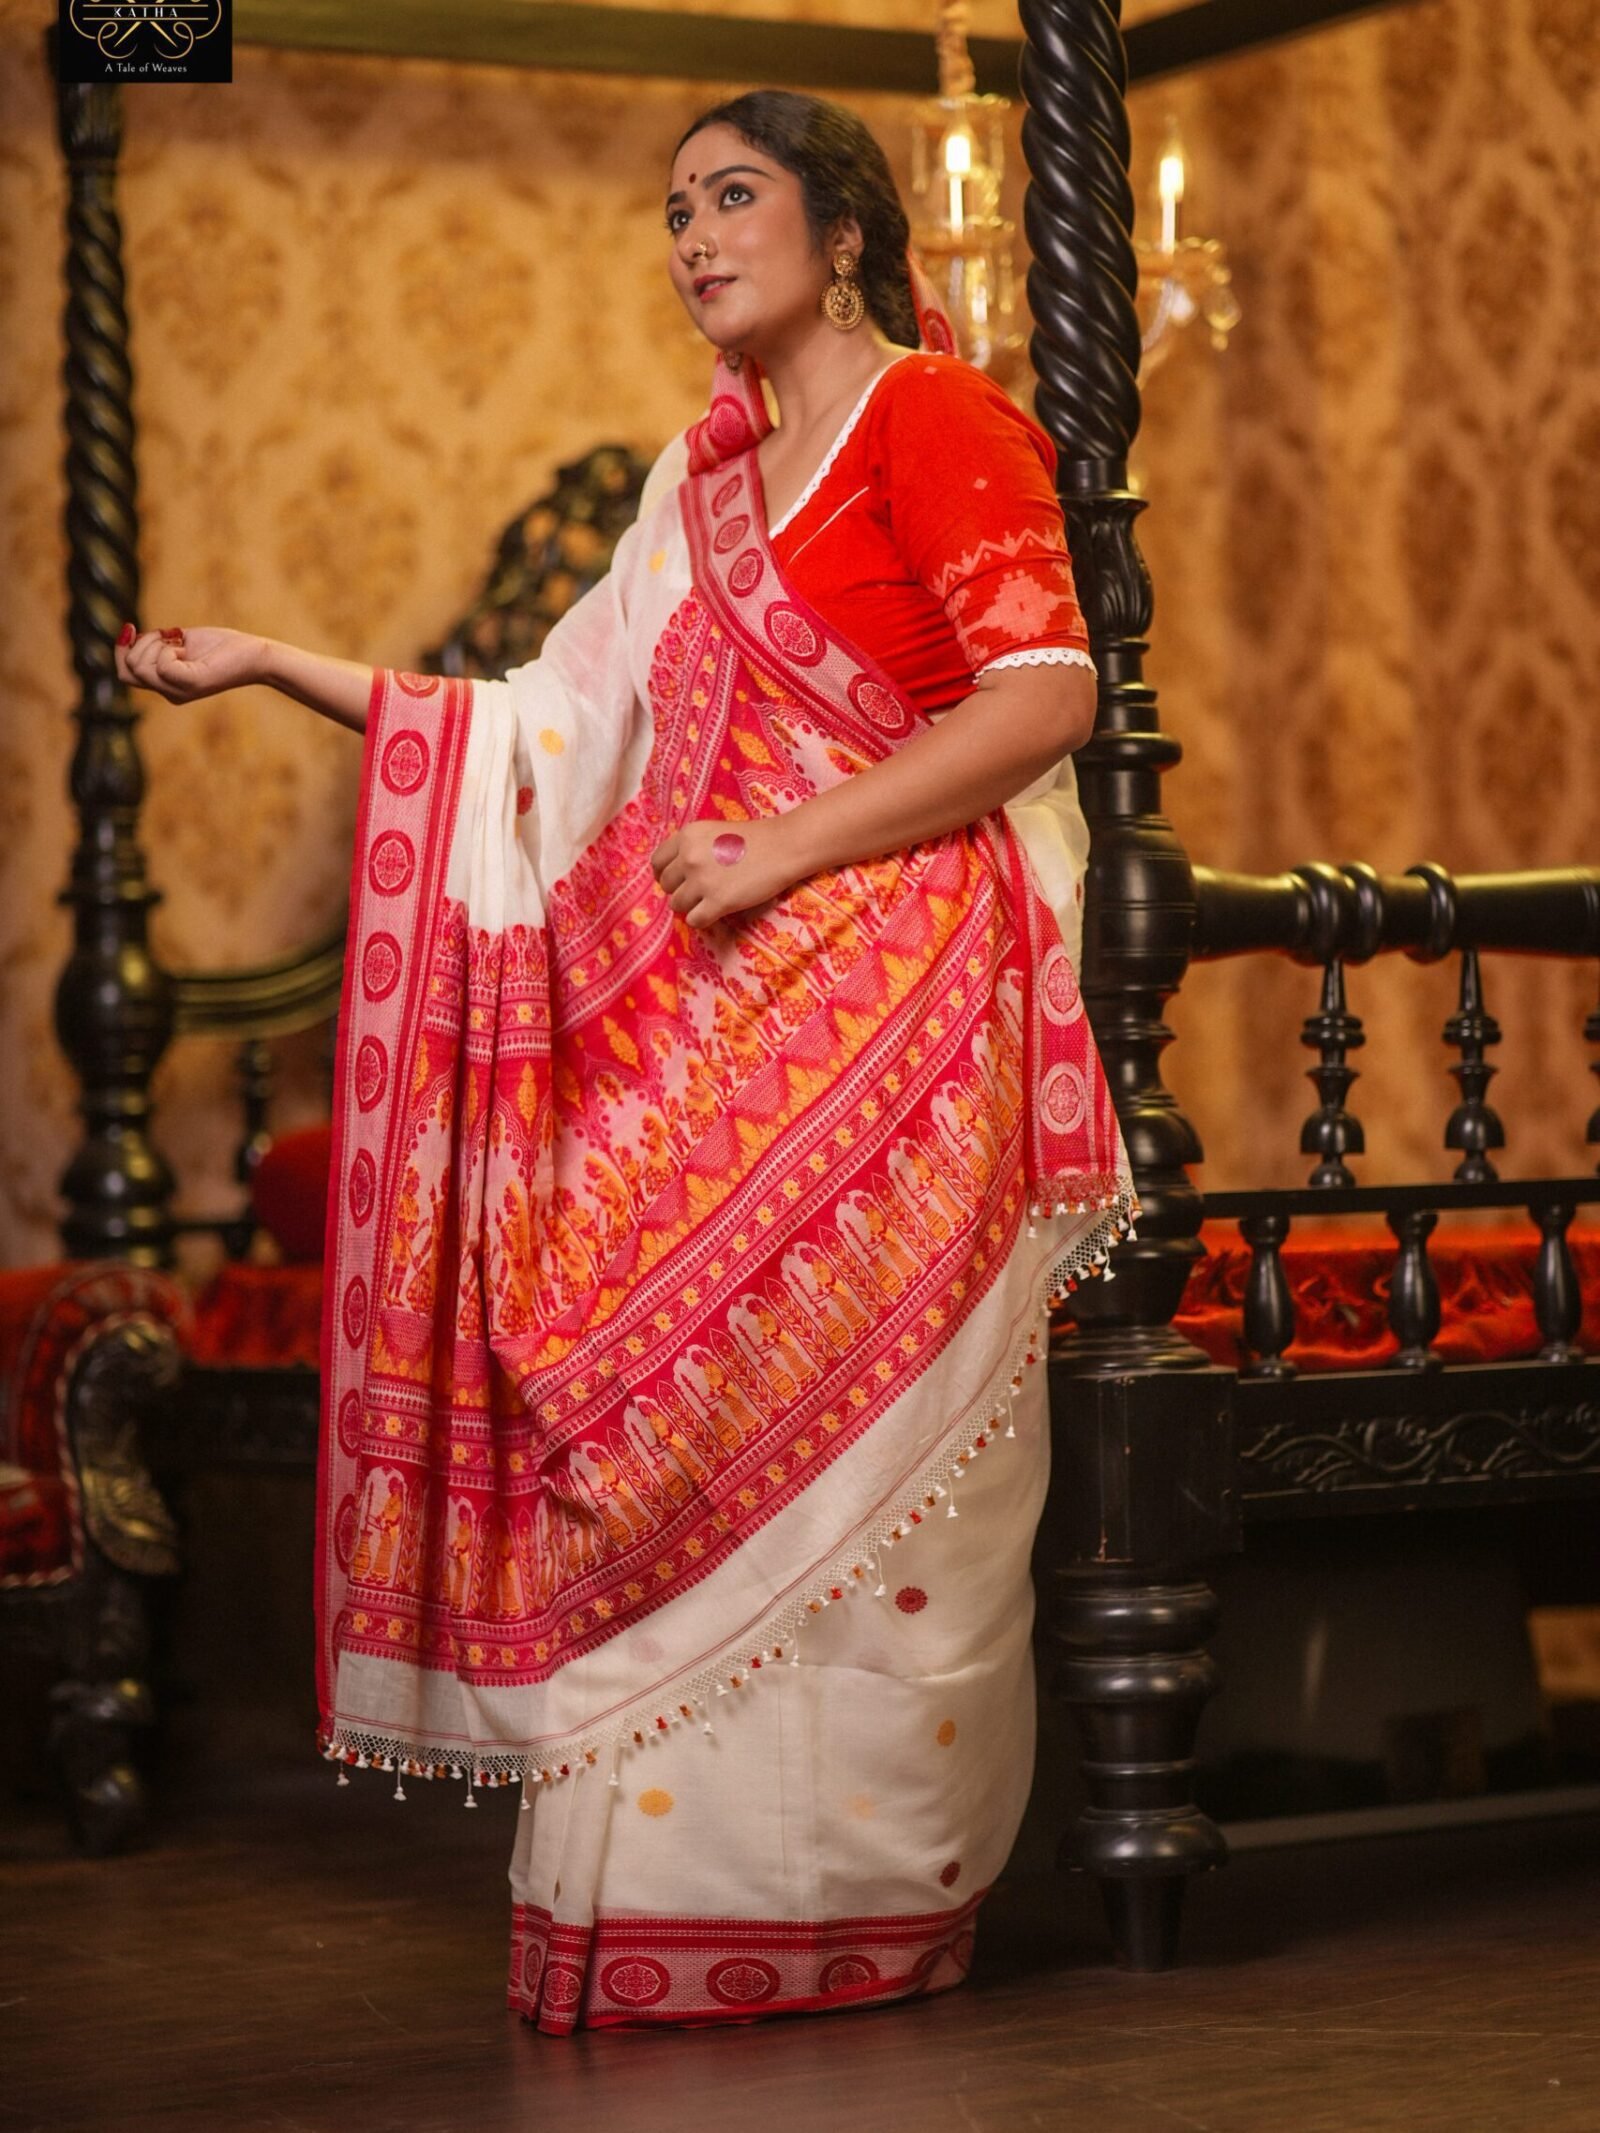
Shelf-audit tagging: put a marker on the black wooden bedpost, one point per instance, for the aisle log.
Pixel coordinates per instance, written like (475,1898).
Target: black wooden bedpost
(114,1004)
(1142,1428)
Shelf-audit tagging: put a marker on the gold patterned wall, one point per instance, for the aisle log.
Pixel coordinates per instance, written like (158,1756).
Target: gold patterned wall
(376,303)
(1375,539)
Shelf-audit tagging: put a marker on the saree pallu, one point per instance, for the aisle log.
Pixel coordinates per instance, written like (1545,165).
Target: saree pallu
(677,1278)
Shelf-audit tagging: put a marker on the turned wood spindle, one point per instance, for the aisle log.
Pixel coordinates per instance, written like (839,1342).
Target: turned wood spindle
(1591,1031)
(1269,1321)
(1134,1666)
(1474,1126)
(1557,1299)
(1414,1311)
(254,1068)
(1331,1132)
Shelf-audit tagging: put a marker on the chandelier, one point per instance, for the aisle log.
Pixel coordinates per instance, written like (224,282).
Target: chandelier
(964,242)
(1180,278)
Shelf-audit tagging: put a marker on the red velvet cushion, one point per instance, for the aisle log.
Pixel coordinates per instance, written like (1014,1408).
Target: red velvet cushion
(1339,1274)
(290,1191)
(28,1436)
(47,1315)
(36,1528)
(259,1317)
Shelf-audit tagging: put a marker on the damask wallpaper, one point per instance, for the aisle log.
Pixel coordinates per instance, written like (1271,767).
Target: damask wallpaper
(1374,538)
(376,303)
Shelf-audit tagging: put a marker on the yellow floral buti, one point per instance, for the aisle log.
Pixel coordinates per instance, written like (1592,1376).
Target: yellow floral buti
(946,1733)
(655,1802)
(551,742)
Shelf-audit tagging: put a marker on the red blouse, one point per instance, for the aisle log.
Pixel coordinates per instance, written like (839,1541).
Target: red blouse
(931,537)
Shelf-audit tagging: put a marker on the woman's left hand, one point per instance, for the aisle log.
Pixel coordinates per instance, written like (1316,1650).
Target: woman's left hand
(708,870)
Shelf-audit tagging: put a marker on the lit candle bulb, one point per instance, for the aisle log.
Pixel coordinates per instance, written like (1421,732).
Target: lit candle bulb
(958,166)
(1169,182)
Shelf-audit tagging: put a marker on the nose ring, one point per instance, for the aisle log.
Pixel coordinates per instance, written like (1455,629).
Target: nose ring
(701,251)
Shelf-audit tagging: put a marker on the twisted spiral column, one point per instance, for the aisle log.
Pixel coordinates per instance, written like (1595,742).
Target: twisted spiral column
(114,1004)
(1079,219)
(1139,915)
(1141,1424)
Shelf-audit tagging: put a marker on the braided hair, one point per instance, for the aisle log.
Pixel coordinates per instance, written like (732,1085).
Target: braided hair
(842,171)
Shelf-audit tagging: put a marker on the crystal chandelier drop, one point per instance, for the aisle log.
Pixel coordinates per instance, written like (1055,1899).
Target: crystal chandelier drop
(1180,278)
(965,244)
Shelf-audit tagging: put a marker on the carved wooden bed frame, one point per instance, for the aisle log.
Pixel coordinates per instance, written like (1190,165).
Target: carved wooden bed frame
(1162,1460)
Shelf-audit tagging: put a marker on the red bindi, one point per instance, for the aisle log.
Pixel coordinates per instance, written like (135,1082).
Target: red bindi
(692,176)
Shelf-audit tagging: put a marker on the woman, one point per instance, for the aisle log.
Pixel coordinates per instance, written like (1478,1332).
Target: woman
(716,1121)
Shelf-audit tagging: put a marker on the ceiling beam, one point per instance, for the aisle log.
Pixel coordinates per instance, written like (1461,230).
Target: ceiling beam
(1217,29)
(664,43)
(567,36)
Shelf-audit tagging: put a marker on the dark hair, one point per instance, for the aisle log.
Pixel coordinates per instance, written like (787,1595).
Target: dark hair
(842,171)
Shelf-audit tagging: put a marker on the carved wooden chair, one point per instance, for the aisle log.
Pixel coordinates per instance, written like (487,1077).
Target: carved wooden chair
(87,1355)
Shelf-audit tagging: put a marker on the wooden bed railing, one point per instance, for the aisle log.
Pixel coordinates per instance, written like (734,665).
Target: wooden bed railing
(1159,1454)
(1338,916)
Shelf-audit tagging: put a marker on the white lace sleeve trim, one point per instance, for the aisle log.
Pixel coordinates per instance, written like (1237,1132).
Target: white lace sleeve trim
(832,453)
(1042,655)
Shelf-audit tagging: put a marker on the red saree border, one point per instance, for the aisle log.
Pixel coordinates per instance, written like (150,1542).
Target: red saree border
(410,788)
(661,1971)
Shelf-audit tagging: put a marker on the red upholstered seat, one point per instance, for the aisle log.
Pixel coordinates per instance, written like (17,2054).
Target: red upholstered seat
(1339,1275)
(1338,1272)
(259,1317)
(47,1316)
(35,1528)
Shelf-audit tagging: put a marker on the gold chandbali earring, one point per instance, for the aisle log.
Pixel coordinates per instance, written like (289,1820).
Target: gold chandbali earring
(842,299)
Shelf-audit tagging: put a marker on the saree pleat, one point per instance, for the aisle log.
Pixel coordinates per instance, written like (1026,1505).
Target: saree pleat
(823,1838)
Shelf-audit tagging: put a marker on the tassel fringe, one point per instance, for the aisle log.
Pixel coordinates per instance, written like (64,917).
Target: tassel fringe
(1085,1260)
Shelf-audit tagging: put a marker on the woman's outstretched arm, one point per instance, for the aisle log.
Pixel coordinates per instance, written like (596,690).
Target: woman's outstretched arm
(183,665)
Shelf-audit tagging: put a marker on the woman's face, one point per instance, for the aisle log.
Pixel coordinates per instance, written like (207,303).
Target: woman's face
(743,260)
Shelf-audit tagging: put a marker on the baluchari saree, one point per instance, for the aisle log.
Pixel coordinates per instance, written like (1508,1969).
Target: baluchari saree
(682,1286)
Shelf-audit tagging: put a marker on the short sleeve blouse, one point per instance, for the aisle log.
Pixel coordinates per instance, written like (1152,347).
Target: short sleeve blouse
(931,536)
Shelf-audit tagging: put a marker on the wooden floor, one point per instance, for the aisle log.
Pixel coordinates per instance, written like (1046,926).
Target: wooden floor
(296,1957)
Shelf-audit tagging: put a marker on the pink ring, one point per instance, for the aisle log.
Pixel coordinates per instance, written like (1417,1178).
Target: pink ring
(728,848)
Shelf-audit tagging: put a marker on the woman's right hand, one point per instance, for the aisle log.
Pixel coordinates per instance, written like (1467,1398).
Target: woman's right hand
(182,665)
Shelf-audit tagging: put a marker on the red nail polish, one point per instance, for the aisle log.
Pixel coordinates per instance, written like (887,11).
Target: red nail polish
(173,636)
(126,634)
